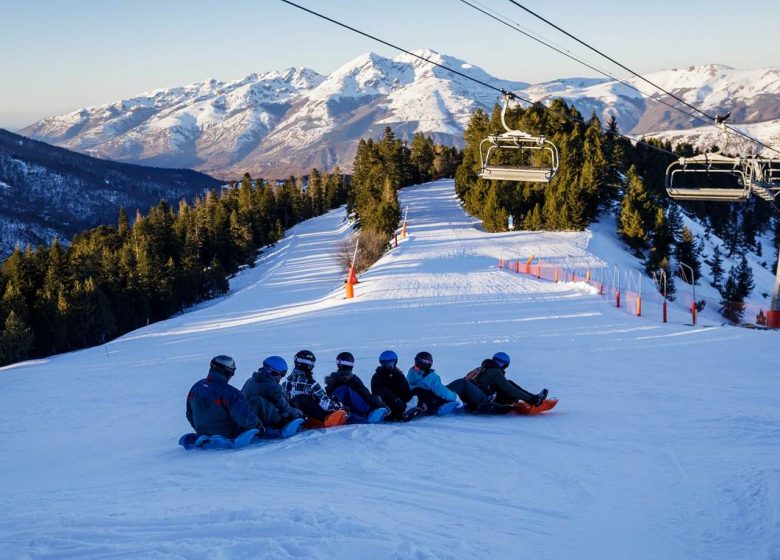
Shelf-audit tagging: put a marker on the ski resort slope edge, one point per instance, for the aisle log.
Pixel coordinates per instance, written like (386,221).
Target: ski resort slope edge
(665,444)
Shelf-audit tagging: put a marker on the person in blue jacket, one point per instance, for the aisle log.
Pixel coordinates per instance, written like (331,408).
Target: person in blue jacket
(214,407)
(264,392)
(427,386)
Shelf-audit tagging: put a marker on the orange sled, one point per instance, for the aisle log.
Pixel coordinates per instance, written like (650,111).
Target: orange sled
(336,418)
(527,409)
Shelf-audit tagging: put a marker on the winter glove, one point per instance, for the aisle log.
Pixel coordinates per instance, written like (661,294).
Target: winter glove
(295,413)
(459,402)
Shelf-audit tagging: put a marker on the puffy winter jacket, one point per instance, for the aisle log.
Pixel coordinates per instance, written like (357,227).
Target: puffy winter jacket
(216,408)
(492,379)
(431,381)
(390,380)
(263,384)
(348,379)
(299,382)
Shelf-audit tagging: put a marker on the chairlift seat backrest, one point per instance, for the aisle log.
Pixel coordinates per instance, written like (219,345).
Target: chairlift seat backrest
(709,177)
(516,140)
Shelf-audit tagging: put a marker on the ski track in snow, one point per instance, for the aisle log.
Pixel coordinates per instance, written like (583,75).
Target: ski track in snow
(665,443)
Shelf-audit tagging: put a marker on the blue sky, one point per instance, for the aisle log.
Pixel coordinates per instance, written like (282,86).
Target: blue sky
(57,56)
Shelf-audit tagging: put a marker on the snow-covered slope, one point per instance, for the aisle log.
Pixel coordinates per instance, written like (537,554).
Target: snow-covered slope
(664,444)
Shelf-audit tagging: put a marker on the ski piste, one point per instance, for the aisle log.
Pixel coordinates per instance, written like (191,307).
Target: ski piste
(89,467)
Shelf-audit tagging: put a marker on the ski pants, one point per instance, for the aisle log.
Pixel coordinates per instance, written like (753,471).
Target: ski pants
(503,398)
(268,414)
(431,401)
(475,399)
(358,407)
(309,407)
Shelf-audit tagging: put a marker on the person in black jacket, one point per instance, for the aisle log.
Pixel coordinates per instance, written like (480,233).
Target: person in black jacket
(350,390)
(389,383)
(216,408)
(265,393)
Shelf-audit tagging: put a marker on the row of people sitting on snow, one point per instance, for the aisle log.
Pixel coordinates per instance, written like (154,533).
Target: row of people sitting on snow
(268,401)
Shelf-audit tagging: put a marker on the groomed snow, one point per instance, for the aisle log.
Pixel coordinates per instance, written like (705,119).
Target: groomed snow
(666,442)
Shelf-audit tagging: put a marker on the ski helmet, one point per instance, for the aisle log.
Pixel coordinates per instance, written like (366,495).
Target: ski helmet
(224,365)
(502,359)
(423,360)
(388,358)
(276,366)
(304,360)
(345,360)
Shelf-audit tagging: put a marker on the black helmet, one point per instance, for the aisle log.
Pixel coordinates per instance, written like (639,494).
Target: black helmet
(345,360)
(224,365)
(423,360)
(304,360)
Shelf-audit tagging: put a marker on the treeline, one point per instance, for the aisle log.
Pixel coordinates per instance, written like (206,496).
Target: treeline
(599,169)
(380,169)
(111,280)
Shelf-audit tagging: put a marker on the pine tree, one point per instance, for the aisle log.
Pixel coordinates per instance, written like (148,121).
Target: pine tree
(16,339)
(686,253)
(716,267)
(730,306)
(635,213)
(745,283)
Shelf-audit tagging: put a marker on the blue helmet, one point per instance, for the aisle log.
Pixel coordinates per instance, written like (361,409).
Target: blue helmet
(388,358)
(276,366)
(502,359)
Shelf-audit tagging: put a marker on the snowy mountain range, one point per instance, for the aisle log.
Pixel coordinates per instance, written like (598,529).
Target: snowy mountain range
(48,192)
(277,123)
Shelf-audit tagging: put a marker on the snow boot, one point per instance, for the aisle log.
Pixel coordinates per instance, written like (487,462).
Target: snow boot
(412,413)
(377,415)
(411,404)
(540,398)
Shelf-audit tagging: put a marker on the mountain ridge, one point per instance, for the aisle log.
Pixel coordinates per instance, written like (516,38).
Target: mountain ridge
(284,122)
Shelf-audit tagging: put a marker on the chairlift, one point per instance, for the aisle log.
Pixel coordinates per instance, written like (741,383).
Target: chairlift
(516,140)
(710,176)
(766,178)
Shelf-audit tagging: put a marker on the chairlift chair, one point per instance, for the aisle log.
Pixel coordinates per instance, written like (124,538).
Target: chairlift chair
(766,178)
(709,176)
(516,140)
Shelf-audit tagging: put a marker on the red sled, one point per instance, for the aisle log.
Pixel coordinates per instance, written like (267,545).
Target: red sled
(527,409)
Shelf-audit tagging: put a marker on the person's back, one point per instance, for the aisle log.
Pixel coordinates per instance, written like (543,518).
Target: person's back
(389,384)
(349,388)
(214,407)
(491,378)
(426,383)
(264,392)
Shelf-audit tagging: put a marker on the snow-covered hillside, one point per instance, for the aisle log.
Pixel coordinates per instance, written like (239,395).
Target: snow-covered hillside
(288,121)
(278,123)
(665,443)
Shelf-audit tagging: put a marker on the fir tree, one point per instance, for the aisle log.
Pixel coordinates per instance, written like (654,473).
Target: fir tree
(635,213)
(716,267)
(686,253)
(730,306)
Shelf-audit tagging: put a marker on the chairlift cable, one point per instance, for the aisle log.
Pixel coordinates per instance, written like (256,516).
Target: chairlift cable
(710,117)
(480,82)
(517,27)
